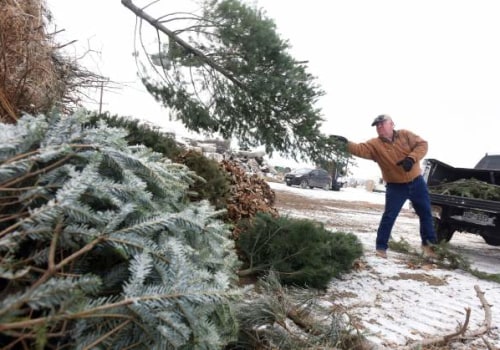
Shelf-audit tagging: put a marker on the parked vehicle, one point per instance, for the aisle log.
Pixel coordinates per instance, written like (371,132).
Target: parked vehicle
(454,213)
(309,178)
(337,185)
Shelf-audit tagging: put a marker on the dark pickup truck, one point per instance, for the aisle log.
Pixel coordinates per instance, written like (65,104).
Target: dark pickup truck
(459,213)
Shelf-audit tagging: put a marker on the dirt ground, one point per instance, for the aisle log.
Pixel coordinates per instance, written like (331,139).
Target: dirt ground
(331,211)
(288,200)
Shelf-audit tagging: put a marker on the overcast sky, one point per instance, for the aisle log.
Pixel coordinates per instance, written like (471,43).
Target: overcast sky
(433,65)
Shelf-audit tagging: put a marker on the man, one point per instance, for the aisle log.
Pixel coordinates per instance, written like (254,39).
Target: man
(398,154)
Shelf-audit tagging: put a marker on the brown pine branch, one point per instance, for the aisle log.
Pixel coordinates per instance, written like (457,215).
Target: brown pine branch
(460,334)
(486,326)
(52,270)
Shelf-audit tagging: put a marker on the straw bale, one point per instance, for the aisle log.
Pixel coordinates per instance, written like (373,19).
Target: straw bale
(28,76)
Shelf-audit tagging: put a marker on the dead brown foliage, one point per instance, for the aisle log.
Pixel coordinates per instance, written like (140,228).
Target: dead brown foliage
(35,75)
(249,194)
(28,76)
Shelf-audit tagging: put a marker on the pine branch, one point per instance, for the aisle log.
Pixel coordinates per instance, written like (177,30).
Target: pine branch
(461,333)
(101,243)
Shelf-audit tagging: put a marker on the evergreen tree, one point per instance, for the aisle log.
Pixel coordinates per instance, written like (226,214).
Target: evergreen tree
(301,252)
(212,182)
(99,248)
(227,71)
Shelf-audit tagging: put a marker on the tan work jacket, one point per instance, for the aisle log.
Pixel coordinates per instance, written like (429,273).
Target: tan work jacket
(388,153)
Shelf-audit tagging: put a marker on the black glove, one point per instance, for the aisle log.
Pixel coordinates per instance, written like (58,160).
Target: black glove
(406,163)
(338,139)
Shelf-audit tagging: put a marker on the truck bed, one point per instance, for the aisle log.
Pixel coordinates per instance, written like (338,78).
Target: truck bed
(466,203)
(439,172)
(465,213)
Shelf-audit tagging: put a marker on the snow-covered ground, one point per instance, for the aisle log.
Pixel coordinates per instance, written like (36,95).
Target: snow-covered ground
(395,301)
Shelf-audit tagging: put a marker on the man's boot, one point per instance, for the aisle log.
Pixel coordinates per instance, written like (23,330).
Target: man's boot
(428,252)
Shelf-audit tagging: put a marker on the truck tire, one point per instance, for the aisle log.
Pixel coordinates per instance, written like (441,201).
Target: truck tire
(443,231)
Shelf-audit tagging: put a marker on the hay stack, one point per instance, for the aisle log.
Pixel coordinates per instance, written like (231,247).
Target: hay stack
(28,77)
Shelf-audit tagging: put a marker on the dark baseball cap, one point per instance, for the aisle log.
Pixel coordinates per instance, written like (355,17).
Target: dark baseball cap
(381,118)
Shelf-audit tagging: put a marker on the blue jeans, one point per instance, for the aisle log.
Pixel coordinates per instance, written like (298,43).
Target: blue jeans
(395,196)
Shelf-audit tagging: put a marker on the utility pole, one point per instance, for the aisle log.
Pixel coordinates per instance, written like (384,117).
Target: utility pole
(100,98)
